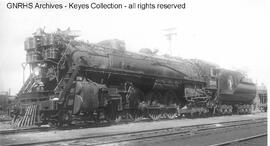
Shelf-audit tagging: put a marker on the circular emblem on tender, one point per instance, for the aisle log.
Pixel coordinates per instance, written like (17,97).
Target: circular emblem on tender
(230,82)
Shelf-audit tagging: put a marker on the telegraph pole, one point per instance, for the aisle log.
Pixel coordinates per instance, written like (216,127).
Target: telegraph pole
(170,32)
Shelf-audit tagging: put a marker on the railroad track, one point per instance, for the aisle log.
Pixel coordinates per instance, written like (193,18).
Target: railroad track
(41,129)
(241,140)
(110,139)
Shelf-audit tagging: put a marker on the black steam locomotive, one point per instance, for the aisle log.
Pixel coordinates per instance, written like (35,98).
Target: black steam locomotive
(71,79)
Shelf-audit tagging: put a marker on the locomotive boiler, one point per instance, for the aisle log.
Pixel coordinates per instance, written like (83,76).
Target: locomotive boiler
(71,79)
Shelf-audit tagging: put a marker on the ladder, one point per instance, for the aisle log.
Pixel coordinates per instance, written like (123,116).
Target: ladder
(66,83)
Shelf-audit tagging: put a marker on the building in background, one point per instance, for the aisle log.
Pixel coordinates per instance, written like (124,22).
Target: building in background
(6,101)
(260,100)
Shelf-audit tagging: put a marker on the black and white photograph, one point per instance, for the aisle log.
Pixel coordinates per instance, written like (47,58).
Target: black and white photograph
(134,72)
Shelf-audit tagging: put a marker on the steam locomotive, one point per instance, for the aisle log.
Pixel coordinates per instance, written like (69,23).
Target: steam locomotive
(74,80)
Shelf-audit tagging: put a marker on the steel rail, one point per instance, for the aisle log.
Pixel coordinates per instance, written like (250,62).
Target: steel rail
(240,140)
(188,133)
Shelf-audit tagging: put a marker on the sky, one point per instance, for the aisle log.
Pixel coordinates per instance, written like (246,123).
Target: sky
(234,34)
